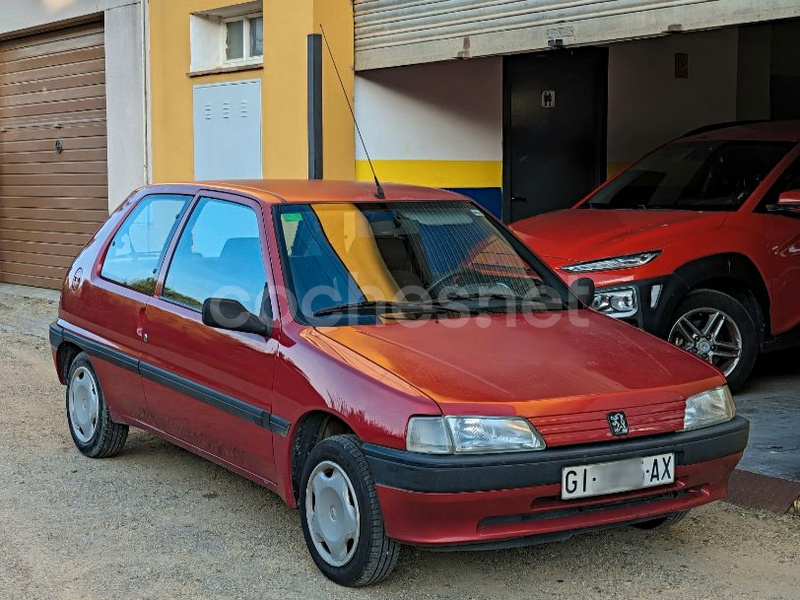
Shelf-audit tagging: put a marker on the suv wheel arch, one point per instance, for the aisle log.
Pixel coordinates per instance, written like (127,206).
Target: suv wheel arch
(734,274)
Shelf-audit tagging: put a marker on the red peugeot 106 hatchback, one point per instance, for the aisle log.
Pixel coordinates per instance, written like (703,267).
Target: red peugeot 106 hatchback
(401,368)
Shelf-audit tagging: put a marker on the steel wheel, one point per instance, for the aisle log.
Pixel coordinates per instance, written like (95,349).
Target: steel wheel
(332,513)
(712,335)
(83,404)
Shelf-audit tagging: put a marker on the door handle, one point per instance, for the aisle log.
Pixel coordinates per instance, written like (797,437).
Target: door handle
(518,199)
(140,325)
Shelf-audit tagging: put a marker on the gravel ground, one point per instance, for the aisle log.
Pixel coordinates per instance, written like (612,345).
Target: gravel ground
(158,522)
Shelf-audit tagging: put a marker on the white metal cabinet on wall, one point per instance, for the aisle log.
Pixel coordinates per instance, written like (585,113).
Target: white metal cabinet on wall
(227,131)
(390,33)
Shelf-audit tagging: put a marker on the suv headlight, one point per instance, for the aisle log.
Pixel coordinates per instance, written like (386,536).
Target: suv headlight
(617,303)
(471,435)
(628,261)
(709,408)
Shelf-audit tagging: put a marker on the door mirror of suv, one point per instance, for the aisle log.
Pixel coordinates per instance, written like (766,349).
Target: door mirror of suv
(790,199)
(788,204)
(583,288)
(225,313)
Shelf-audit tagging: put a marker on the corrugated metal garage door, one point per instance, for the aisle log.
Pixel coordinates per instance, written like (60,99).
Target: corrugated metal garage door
(399,32)
(52,95)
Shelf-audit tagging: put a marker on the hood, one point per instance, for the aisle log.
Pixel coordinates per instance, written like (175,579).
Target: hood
(531,364)
(578,235)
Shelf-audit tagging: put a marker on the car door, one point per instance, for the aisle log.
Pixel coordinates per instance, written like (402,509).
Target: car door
(212,388)
(112,305)
(782,250)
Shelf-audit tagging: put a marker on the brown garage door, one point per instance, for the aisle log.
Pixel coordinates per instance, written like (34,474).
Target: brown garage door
(53,178)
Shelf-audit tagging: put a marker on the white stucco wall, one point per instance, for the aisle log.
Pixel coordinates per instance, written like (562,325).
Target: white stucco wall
(648,106)
(439,111)
(125,102)
(125,75)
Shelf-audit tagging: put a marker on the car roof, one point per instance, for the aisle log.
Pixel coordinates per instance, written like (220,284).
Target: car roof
(764,131)
(301,191)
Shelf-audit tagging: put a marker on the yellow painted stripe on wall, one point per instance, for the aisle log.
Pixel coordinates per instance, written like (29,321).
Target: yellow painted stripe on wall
(435,173)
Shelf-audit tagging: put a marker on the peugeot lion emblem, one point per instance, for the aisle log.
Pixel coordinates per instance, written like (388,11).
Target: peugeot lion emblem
(618,423)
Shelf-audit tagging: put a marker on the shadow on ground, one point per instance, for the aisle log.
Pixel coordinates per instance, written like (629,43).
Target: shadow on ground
(771,401)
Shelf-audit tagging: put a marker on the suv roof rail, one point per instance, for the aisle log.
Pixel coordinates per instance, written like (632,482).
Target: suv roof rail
(716,126)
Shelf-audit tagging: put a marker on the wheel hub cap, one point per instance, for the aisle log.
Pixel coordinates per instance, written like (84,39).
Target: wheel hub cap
(332,513)
(711,334)
(83,404)
(703,347)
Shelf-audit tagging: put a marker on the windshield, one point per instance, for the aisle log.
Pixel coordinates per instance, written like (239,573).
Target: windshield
(407,259)
(710,175)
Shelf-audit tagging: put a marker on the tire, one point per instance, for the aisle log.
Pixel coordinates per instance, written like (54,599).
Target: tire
(89,421)
(372,556)
(662,522)
(741,316)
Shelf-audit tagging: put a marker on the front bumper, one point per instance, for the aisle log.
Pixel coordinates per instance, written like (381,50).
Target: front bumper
(513,499)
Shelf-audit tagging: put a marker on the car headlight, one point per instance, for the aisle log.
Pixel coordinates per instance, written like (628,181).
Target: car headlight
(616,303)
(471,435)
(612,264)
(709,408)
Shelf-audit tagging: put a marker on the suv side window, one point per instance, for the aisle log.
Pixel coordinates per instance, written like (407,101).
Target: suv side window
(789,180)
(137,249)
(218,256)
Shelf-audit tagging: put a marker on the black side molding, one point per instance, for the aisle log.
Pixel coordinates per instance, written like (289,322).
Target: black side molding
(205,394)
(279,426)
(92,348)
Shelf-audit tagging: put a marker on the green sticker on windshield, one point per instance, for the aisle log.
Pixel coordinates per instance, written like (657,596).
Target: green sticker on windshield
(292,217)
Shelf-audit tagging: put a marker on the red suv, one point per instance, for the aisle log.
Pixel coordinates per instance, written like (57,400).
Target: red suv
(698,243)
(400,368)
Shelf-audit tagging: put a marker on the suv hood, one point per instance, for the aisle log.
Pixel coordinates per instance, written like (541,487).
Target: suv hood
(577,235)
(505,364)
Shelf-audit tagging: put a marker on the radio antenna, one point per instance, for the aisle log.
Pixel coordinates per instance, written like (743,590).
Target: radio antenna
(379,194)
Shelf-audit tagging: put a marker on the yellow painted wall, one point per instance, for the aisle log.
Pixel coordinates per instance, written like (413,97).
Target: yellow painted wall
(338,135)
(283,90)
(436,173)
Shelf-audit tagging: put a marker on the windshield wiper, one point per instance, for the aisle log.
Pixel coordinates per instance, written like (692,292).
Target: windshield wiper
(480,296)
(537,304)
(372,306)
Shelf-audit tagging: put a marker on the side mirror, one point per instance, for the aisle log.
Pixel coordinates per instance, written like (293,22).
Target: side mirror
(225,313)
(583,288)
(788,204)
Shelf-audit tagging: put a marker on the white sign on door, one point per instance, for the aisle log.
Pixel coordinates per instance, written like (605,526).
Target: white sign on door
(549,99)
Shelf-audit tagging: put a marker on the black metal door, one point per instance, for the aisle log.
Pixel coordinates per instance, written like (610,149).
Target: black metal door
(556,108)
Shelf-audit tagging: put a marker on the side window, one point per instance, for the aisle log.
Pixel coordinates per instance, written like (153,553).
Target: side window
(218,256)
(789,180)
(136,252)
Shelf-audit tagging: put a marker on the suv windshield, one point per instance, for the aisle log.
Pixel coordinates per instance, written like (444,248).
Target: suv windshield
(363,263)
(708,175)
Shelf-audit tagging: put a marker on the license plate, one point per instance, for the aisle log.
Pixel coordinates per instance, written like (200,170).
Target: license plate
(613,477)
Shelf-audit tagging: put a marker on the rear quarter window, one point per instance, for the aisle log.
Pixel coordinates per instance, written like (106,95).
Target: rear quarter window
(137,249)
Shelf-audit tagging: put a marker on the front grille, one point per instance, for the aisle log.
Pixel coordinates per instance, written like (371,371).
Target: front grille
(590,427)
